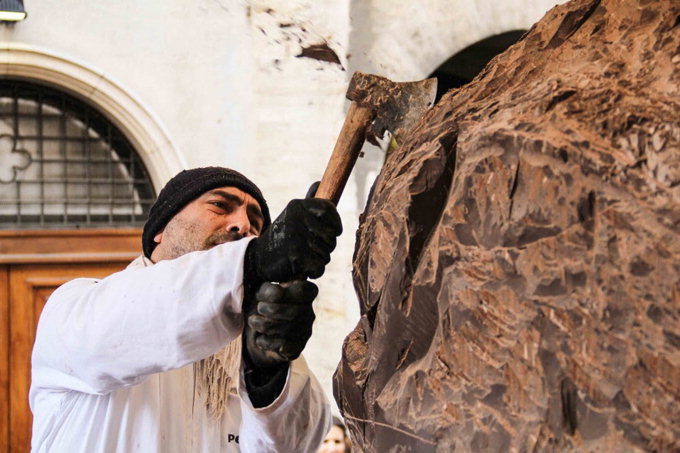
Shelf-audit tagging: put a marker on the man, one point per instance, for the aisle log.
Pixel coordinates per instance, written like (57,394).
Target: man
(150,359)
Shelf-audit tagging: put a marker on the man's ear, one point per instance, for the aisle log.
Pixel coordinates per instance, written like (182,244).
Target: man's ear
(158,238)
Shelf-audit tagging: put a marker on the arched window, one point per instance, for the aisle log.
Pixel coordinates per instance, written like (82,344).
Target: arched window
(64,165)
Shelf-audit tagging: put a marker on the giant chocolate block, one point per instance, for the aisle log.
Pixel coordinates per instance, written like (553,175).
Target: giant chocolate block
(518,262)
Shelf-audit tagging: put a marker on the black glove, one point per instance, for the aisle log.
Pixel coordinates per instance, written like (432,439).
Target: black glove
(278,323)
(296,246)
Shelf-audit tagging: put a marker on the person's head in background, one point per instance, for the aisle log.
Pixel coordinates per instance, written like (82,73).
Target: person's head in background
(336,440)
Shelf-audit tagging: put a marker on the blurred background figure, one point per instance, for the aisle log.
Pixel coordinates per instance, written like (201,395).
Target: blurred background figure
(336,440)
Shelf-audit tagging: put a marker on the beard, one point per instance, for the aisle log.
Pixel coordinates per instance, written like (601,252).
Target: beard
(187,238)
(221,237)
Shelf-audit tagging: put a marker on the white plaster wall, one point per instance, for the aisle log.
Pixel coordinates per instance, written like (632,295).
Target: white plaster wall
(407,40)
(184,63)
(223,80)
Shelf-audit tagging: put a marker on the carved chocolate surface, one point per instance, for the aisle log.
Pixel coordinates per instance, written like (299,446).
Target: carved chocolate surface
(518,262)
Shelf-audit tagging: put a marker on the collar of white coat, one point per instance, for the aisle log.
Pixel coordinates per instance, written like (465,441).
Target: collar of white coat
(141,261)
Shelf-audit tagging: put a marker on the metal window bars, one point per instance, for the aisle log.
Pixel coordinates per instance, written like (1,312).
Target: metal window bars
(64,165)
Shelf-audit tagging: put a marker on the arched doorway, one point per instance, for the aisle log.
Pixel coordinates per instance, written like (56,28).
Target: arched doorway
(73,196)
(464,66)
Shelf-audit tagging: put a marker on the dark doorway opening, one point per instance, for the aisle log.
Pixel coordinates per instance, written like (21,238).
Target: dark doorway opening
(462,67)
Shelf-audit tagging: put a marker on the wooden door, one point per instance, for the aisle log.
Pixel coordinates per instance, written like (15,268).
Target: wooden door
(32,265)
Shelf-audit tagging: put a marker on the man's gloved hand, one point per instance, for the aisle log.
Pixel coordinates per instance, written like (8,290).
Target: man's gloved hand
(297,245)
(278,323)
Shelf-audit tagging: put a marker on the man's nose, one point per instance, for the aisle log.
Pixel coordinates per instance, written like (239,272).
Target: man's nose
(239,223)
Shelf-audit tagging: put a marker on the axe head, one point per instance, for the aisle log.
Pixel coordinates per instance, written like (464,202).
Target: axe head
(397,105)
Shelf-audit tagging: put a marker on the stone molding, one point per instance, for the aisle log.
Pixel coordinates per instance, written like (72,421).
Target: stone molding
(135,120)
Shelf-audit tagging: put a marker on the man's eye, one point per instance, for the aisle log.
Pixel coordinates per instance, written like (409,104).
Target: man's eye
(223,206)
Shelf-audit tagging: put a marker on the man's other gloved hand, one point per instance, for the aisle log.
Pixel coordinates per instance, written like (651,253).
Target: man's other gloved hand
(297,245)
(278,322)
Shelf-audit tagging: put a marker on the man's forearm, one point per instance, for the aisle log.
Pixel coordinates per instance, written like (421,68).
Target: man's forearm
(144,320)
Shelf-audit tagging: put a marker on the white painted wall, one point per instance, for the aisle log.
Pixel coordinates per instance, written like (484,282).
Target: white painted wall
(407,40)
(219,82)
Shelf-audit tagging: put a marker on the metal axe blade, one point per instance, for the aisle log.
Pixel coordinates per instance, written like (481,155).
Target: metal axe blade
(397,105)
(378,104)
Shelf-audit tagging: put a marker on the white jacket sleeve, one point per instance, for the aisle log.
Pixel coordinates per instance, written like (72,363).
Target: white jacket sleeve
(297,421)
(98,335)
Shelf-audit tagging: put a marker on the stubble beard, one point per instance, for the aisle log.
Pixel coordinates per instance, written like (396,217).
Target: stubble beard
(187,238)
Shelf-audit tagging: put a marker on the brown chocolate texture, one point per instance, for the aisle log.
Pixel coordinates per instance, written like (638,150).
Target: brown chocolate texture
(518,262)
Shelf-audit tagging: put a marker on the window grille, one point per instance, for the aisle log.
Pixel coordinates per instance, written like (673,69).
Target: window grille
(64,165)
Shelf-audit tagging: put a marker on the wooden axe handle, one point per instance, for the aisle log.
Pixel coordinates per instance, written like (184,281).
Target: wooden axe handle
(345,153)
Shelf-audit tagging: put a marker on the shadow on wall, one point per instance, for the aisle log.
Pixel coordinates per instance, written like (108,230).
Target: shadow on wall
(462,67)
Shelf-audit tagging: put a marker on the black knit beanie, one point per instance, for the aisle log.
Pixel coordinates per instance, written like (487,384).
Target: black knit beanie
(189,185)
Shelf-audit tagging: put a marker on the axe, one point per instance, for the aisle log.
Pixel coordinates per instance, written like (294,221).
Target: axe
(378,104)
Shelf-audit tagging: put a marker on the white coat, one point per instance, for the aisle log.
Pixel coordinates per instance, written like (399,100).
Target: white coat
(112,365)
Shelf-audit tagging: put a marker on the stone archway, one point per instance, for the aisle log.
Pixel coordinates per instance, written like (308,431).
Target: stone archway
(464,66)
(126,111)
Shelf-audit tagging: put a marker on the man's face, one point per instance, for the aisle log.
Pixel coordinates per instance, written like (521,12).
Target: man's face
(220,215)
